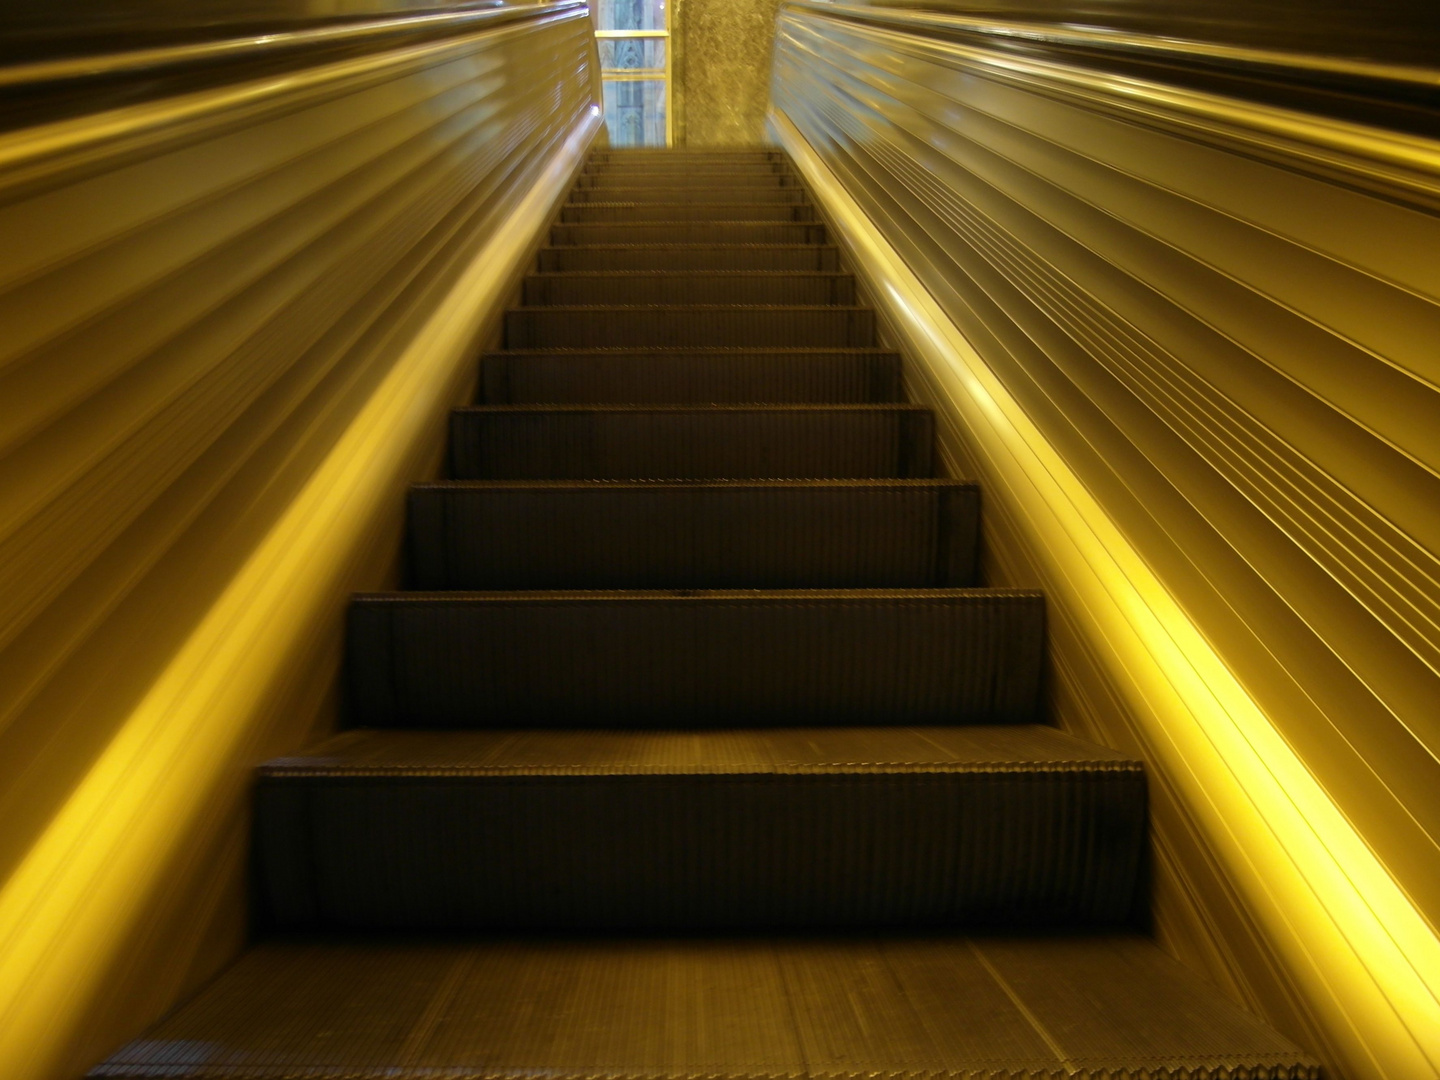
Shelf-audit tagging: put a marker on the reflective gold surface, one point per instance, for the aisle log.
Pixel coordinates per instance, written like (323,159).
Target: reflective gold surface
(1397,31)
(234,322)
(1187,344)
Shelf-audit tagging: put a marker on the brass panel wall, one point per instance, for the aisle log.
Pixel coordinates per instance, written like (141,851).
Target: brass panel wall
(1394,31)
(722,72)
(233,323)
(1218,319)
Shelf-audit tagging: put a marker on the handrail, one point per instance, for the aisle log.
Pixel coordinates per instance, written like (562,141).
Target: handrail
(36,155)
(256,46)
(1102,38)
(1398,165)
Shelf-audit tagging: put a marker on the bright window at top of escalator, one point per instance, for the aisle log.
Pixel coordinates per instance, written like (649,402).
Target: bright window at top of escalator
(635,62)
(631,15)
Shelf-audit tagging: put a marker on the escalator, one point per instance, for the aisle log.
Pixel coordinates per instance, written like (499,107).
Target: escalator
(697,747)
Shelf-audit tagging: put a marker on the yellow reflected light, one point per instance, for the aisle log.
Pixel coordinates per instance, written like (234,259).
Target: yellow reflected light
(66,912)
(1364,957)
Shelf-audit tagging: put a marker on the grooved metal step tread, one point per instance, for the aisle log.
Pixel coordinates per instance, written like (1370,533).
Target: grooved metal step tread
(653,210)
(578,288)
(598,325)
(716,535)
(1088,1007)
(737,829)
(679,442)
(695,375)
(688,232)
(694,257)
(771,658)
(811,751)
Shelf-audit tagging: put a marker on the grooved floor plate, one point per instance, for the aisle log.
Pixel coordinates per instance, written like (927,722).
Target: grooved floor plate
(721,659)
(737,442)
(718,535)
(739,829)
(690,376)
(1084,1007)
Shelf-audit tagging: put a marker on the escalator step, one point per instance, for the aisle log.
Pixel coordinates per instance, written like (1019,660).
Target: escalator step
(740,325)
(1106,1006)
(746,658)
(671,160)
(656,153)
(714,167)
(730,181)
(689,232)
(699,376)
(692,257)
(594,289)
(650,210)
(730,442)
(751,830)
(719,535)
(749,193)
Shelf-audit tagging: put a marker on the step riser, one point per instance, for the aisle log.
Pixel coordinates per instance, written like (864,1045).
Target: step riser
(693,538)
(667,154)
(675,288)
(732,444)
(689,232)
(730,180)
(687,186)
(431,661)
(674,377)
(619,213)
(777,327)
(750,193)
(716,169)
(700,852)
(692,257)
(653,156)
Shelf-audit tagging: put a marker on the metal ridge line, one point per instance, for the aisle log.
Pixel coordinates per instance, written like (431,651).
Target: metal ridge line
(1118,40)
(105,65)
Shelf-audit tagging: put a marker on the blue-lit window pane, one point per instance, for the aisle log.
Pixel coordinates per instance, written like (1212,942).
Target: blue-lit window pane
(631,15)
(635,112)
(632,54)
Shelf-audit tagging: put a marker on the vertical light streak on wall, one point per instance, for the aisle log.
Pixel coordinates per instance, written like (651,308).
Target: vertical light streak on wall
(287,282)
(1100,281)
